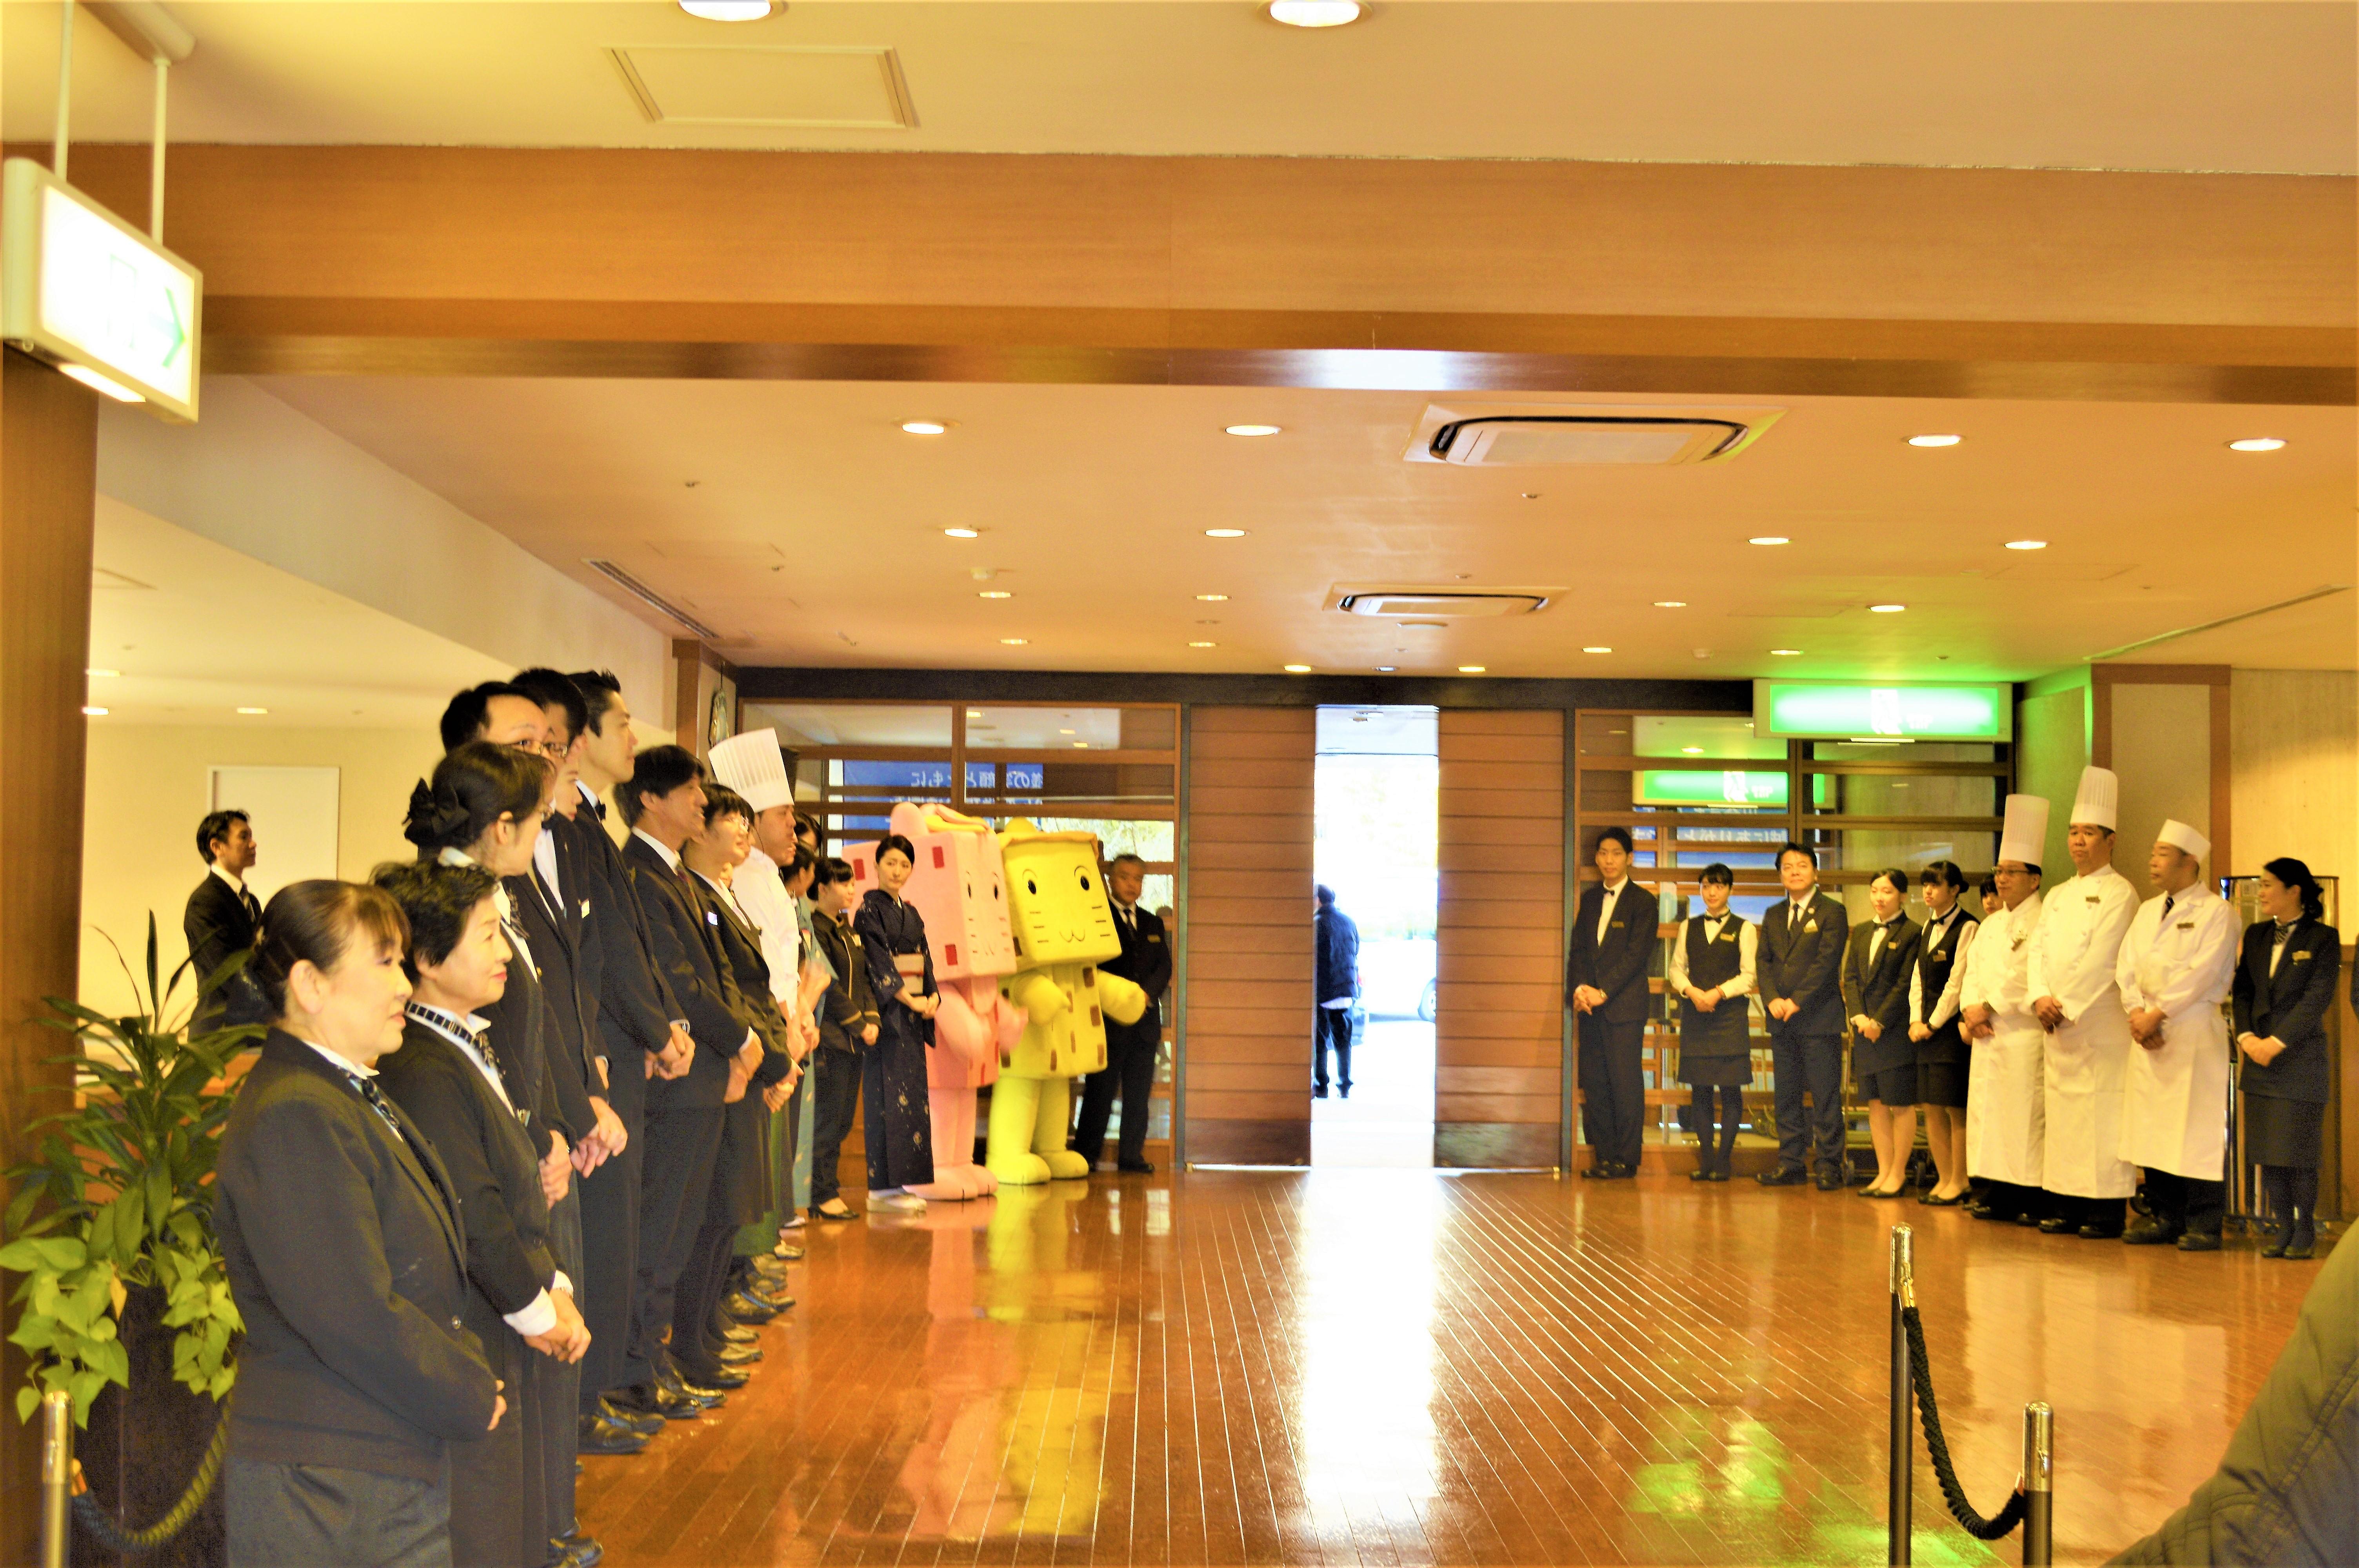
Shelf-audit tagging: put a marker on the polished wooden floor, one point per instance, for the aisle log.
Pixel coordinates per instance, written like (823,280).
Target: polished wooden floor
(1404,1367)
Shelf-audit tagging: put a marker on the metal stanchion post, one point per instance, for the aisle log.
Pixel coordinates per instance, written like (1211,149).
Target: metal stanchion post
(1904,1401)
(2038,1480)
(56,1474)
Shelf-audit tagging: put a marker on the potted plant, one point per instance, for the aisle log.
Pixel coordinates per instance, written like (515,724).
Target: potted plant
(123,1301)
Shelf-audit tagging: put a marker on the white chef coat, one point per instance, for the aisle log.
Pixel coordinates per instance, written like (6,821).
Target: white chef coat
(768,906)
(2073,952)
(2176,1113)
(2005,1106)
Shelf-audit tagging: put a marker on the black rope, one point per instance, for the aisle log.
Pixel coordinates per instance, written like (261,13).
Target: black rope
(1953,1494)
(124,1542)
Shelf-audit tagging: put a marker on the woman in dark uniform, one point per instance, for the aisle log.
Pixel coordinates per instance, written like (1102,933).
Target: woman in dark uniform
(1711,973)
(1877,969)
(893,1071)
(2284,987)
(1933,993)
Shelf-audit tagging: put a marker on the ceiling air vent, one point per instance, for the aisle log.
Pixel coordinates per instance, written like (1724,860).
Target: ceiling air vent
(1537,435)
(650,597)
(1398,599)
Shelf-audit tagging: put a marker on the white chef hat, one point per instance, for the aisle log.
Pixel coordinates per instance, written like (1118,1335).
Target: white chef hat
(2025,838)
(2099,800)
(2179,836)
(753,765)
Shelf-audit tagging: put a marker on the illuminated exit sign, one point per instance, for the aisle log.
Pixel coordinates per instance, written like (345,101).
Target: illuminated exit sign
(94,296)
(1831,710)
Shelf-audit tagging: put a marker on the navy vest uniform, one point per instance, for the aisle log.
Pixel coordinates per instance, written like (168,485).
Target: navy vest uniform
(1715,1047)
(1935,959)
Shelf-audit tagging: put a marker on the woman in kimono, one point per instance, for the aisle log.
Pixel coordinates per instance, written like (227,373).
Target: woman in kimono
(893,1071)
(2284,990)
(1712,973)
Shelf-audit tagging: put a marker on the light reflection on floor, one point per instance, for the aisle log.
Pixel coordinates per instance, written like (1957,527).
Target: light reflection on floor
(1388,1122)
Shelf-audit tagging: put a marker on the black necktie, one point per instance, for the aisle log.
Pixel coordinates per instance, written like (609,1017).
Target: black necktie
(2167,900)
(252,904)
(600,807)
(418,1150)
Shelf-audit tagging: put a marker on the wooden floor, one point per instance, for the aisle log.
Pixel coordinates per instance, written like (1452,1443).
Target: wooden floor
(1396,1366)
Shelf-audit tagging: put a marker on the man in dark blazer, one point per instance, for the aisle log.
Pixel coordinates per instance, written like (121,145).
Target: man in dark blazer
(1131,1048)
(1799,966)
(1613,943)
(663,801)
(220,918)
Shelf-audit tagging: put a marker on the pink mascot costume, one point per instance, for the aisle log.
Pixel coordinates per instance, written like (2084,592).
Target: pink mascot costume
(960,891)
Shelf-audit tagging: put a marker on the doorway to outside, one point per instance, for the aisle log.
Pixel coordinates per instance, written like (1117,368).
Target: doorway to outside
(1376,825)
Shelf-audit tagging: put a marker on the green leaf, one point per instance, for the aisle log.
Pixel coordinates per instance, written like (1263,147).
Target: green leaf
(22,1258)
(34,1332)
(84,1386)
(28,1400)
(61,1252)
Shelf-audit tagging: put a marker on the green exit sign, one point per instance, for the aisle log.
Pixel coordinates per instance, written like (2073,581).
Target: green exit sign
(1833,710)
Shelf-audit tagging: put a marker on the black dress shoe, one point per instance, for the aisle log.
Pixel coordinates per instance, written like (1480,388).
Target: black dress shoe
(1982,1211)
(1783,1177)
(788,1252)
(736,1334)
(736,1355)
(714,1379)
(574,1551)
(2199,1241)
(2150,1235)
(2302,1243)
(1319,1091)
(1935,1200)
(1137,1167)
(596,1435)
(2055,1225)
(2094,1232)
(2027,1218)
(654,1399)
(1699,1174)
(745,1309)
(1720,1175)
(703,1396)
(646,1424)
(1830,1183)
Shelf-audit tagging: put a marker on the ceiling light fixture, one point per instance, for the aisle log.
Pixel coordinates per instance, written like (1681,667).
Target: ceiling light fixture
(974,713)
(2026,544)
(1225,533)
(1212,598)
(962,533)
(2249,444)
(1314,13)
(1082,745)
(1692,751)
(1935,440)
(1014,642)
(1597,649)
(1670,604)
(1470,669)
(91,378)
(1769,539)
(254,710)
(726,10)
(1203,644)
(925,426)
(94,712)
(994,593)
(1256,429)
(1386,669)
(1886,609)
(1784,653)
(1298,669)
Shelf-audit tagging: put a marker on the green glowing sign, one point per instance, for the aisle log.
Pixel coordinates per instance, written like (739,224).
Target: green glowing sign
(1735,787)
(1826,710)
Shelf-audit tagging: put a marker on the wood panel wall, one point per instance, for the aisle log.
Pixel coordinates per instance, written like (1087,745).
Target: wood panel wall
(1246,1025)
(1499,1005)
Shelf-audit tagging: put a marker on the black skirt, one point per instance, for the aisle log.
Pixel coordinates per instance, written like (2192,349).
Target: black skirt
(1943,1083)
(1718,1071)
(1893,1086)
(2283,1131)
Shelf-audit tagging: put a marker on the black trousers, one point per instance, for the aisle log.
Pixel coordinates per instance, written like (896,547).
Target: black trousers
(1613,1093)
(674,1187)
(1129,1071)
(300,1516)
(1811,1061)
(2186,1202)
(2292,1193)
(2079,1211)
(1713,1154)
(703,1279)
(557,1390)
(610,1265)
(2008,1199)
(835,1080)
(1329,1026)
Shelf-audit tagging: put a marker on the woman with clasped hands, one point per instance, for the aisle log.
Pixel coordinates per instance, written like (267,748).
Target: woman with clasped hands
(336,1228)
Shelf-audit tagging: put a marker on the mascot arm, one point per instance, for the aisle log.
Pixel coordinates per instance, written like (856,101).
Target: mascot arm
(1037,995)
(1010,1020)
(1125,1002)
(958,1031)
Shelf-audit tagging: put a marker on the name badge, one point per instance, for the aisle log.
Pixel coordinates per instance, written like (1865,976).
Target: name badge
(2091,898)
(1811,929)
(2187,925)
(1151,937)
(710,918)
(1725,936)
(585,909)
(2301,957)
(1613,925)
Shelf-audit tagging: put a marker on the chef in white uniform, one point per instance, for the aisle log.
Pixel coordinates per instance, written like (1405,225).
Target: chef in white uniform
(2006,1102)
(2075,995)
(2177,964)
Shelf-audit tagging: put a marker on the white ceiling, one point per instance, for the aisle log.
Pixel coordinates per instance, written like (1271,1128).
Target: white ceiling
(812,531)
(2248,85)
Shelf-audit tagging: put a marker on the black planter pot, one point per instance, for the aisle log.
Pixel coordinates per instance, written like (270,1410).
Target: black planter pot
(144,1444)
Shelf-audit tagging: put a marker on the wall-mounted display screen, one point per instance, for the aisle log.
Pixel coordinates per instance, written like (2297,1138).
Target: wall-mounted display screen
(1699,790)
(1807,710)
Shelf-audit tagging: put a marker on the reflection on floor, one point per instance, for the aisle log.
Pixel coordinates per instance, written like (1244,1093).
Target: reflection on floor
(1388,1121)
(1389,1366)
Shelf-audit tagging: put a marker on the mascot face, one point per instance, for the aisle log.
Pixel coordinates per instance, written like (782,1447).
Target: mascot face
(1057,899)
(961,890)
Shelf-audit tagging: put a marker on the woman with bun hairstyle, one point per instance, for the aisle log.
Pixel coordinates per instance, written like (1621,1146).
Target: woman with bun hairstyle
(1935,991)
(337,1230)
(893,1071)
(2283,991)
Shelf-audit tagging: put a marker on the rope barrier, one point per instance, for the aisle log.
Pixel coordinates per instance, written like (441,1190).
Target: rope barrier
(127,1542)
(1999,1524)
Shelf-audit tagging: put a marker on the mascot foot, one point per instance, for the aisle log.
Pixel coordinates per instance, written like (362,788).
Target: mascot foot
(985,1183)
(1064,1165)
(1020,1171)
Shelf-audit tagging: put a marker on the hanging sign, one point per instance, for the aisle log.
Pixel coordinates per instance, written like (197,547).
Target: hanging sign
(1898,711)
(94,296)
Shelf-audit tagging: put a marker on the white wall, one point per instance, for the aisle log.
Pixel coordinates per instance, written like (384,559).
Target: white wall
(2294,752)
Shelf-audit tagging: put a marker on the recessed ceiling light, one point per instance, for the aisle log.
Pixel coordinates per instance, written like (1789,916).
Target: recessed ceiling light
(1470,669)
(94,712)
(1257,429)
(1692,751)
(1014,642)
(1298,669)
(1783,654)
(1203,644)
(974,713)
(2026,544)
(994,593)
(102,674)
(1386,669)
(254,710)
(1212,598)
(963,533)
(1769,539)
(2256,444)
(1314,13)
(1670,604)
(1935,440)
(1594,650)
(1225,533)
(925,426)
(726,10)
(1887,609)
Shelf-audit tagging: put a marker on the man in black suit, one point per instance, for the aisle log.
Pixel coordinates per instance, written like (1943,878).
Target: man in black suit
(1799,966)
(220,918)
(663,801)
(1131,1048)
(1613,936)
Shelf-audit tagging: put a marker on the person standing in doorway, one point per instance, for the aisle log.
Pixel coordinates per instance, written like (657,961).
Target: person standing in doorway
(1802,941)
(1335,940)
(220,920)
(1606,985)
(1131,1048)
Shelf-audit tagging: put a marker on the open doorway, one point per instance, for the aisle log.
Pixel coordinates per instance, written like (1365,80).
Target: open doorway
(1376,826)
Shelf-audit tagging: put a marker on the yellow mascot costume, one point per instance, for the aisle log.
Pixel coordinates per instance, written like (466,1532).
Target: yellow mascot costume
(1064,929)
